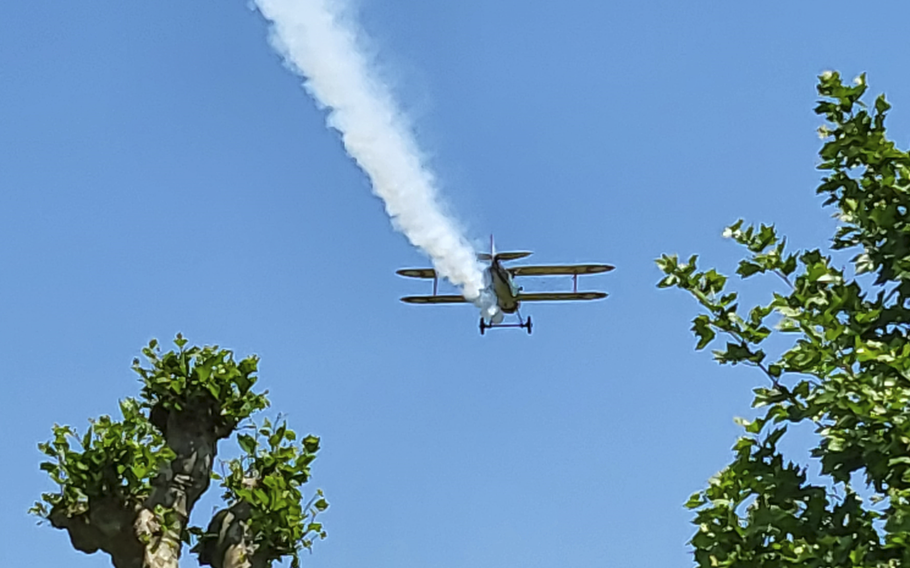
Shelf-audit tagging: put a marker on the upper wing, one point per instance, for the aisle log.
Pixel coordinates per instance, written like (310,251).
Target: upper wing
(562,269)
(558,296)
(503,255)
(434,300)
(417,272)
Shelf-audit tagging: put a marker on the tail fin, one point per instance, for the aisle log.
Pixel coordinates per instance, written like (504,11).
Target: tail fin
(488,257)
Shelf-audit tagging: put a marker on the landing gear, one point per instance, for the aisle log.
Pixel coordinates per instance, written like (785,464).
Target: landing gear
(522,323)
(525,323)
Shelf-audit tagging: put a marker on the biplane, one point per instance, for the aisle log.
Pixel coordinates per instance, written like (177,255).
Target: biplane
(509,295)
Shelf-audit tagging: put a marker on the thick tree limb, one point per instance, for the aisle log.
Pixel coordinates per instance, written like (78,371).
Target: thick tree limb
(227,543)
(105,525)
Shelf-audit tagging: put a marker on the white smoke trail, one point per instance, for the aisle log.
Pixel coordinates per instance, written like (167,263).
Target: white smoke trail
(321,47)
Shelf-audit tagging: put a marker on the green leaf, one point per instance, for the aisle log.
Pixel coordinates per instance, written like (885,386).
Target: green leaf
(247,443)
(311,444)
(701,325)
(747,268)
(695,501)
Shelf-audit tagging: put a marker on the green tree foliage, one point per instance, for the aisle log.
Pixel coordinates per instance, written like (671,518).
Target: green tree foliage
(846,369)
(127,487)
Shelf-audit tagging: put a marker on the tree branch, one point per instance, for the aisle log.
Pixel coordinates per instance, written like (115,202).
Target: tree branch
(105,525)
(227,542)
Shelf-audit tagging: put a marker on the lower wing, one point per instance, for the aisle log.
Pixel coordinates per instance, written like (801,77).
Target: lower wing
(417,272)
(435,300)
(560,296)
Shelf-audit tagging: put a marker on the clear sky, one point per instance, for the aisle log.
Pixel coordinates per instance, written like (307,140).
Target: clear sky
(162,172)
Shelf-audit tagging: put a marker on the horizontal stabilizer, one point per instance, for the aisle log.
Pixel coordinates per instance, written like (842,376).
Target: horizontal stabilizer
(559,270)
(434,300)
(417,272)
(560,296)
(503,256)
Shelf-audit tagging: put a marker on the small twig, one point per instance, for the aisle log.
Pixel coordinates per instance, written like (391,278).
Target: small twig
(784,278)
(774,380)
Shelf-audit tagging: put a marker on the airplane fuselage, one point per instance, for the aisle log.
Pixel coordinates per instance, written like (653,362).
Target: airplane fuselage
(504,287)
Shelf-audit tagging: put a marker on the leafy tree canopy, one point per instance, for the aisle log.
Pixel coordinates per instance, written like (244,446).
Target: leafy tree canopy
(847,368)
(127,487)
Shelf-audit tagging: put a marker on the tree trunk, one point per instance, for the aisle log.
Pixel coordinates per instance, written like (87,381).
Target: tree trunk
(193,435)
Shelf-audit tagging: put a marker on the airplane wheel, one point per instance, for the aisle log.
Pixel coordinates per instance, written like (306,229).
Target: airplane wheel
(529,325)
(483,328)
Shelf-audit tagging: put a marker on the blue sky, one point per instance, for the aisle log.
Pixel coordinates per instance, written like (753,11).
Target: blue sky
(162,172)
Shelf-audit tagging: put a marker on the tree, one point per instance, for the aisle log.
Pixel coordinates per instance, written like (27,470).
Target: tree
(846,369)
(127,487)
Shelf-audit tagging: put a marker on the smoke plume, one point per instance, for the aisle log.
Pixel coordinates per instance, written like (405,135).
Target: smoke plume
(322,47)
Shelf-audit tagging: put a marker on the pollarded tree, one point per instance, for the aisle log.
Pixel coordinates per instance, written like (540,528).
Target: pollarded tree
(846,371)
(127,487)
